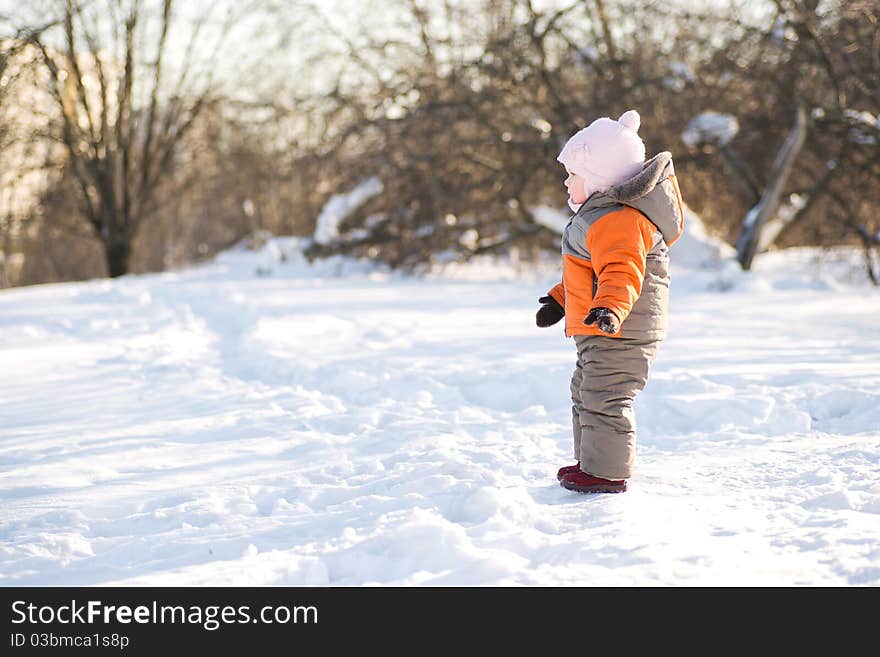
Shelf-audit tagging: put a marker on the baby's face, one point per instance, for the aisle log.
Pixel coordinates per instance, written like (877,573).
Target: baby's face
(575,186)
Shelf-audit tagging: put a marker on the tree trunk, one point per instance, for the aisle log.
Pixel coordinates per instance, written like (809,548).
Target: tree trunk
(118,254)
(766,208)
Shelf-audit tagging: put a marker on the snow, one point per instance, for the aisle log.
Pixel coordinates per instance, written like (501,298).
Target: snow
(339,206)
(784,215)
(865,118)
(261,421)
(697,250)
(710,127)
(865,126)
(586,55)
(541,125)
(680,74)
(470,238)
(551,217)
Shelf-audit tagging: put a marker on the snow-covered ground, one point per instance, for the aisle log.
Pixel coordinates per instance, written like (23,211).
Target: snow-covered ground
(253,421)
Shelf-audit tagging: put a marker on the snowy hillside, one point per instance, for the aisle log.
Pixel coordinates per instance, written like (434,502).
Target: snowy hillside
(260,421)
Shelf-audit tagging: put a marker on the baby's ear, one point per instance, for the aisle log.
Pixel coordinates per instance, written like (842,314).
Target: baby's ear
(630,119)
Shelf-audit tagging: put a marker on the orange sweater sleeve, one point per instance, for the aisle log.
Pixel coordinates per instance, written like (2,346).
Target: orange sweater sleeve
(618,244)
(558,293)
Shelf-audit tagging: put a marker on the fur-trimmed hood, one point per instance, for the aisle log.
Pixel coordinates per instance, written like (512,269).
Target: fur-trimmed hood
(654,192)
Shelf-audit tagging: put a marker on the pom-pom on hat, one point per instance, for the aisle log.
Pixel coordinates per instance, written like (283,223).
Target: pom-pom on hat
(606,152)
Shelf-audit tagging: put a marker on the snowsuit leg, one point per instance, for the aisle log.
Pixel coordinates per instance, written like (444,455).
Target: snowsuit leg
(610,372)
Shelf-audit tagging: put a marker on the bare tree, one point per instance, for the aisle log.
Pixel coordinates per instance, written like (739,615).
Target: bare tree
(463,112)
(22,156)
(819,64)
(123,113)
(768,205)
(460,110)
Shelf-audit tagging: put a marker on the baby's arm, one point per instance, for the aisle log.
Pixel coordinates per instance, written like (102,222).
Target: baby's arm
(558,293)
(619,243)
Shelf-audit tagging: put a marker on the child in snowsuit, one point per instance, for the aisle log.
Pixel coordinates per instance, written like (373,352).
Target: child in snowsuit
(614,292)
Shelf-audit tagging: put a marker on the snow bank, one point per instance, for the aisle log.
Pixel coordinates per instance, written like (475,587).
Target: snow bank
(340,206)
(550,217)
(710,127)
(696,248)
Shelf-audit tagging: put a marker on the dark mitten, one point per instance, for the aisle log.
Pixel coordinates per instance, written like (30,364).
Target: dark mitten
(605,319)
(549,313)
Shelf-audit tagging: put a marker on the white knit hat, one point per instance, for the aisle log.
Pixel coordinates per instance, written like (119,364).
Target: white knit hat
(606,152)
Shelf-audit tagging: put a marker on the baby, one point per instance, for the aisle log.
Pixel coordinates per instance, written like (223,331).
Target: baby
(614,292)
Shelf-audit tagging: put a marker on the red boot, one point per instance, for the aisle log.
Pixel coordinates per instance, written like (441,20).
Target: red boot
(568,469)
(587,483)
